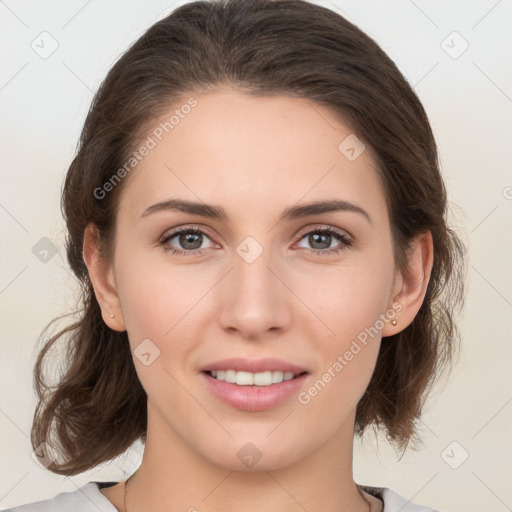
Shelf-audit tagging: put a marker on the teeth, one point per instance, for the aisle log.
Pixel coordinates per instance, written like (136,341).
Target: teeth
(252,379)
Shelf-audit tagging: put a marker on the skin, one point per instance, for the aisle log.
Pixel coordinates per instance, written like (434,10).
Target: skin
(254,156)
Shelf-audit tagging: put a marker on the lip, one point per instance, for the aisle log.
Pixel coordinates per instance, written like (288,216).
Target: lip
(254,398)
(254,365)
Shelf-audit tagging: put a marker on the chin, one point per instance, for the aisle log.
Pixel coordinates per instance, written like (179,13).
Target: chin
(254,456)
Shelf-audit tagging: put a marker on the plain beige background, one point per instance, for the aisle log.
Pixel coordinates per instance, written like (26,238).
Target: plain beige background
(456,55)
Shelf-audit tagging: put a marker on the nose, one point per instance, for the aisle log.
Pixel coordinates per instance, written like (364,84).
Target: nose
(254,298)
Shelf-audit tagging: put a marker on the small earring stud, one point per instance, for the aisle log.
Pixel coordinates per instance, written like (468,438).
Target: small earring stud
(394,322)
(111,316)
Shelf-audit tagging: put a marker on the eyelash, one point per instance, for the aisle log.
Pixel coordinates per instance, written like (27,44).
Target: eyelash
(345,241)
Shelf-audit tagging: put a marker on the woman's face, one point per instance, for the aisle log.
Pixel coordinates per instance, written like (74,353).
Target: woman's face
(263,286)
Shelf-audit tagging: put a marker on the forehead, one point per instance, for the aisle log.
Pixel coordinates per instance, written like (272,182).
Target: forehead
(251,153)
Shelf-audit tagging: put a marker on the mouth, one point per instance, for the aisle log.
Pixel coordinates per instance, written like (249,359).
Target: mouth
(258,379)
(254,392)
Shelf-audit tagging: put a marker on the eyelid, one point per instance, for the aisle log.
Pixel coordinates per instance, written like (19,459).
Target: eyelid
(321,227)
(172,232)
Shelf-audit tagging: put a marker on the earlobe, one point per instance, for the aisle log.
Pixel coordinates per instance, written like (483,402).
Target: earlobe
(102,279)
(413,283)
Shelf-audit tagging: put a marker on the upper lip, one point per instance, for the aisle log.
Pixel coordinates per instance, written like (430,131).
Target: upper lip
(253,365)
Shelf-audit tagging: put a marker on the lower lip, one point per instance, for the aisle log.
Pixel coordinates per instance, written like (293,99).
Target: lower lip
(254,398)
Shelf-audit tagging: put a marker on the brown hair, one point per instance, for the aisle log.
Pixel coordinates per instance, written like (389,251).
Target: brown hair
(97,409)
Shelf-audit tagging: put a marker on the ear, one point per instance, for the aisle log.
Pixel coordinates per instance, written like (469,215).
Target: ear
(411,285)
(102,278)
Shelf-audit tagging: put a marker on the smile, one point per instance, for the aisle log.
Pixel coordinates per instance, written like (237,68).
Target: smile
(256,391)
(241,378)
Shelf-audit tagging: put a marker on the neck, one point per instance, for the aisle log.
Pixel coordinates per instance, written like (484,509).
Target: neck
(174,477)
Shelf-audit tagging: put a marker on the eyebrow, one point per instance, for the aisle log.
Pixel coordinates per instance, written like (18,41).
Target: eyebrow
(291,213)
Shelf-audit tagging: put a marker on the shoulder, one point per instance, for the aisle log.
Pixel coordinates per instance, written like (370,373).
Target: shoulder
(87,498)
(393,502)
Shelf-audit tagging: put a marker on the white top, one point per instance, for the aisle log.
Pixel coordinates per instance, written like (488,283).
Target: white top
(88,498)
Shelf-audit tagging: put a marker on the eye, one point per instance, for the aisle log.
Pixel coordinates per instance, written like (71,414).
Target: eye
(323,237)
(190,239)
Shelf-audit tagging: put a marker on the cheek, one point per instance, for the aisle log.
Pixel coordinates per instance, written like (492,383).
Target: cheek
(347,299)
(155,296)
(350,310)
(160,304)
(347,355)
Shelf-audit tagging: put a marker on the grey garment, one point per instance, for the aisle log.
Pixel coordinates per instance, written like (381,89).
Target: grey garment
(88,498)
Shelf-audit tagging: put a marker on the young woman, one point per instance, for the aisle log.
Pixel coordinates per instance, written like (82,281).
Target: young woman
(257,219)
